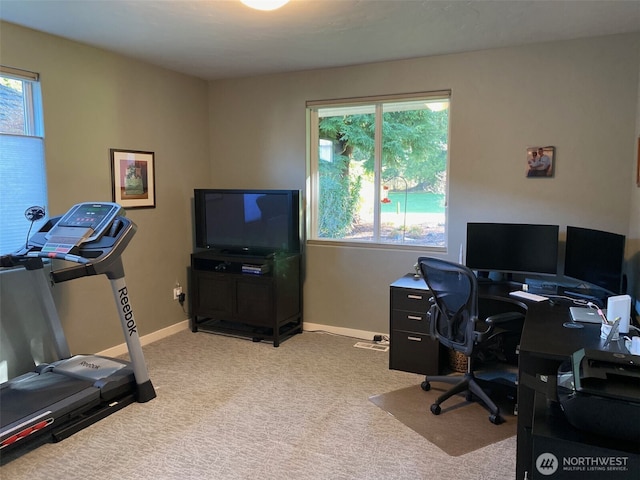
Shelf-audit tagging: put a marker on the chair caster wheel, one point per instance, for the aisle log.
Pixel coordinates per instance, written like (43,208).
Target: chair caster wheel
(469,397)
(426,386)
(435,409)
(495,419)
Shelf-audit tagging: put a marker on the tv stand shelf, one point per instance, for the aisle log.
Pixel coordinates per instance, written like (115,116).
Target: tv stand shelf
(227,299)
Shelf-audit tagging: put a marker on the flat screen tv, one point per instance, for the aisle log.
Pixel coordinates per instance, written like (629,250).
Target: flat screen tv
(258,222)
(595,257)
(512,247)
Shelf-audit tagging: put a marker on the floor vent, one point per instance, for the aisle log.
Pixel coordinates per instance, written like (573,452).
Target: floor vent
(372,346)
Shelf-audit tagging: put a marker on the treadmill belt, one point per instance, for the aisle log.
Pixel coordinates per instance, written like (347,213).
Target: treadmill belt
(22,398)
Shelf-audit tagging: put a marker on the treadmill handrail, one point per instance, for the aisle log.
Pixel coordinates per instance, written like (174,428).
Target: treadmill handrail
(108,262)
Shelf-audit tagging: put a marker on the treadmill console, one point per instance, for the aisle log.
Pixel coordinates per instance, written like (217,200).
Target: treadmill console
(84,222)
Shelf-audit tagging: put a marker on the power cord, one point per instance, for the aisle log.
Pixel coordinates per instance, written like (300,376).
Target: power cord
(575,301)
(181,299)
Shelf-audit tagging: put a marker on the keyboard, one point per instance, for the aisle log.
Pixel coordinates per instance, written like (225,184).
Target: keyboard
(528,296)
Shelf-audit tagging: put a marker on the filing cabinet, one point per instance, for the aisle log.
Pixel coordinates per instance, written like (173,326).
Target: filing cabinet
(411,347)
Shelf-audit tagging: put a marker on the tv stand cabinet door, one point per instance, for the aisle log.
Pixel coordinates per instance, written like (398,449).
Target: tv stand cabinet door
(214,295)
(255,301)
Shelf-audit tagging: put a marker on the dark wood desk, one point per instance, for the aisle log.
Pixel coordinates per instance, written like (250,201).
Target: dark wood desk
(544,344)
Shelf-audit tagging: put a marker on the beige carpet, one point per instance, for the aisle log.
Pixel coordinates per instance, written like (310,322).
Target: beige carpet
(231,409)
(411,407)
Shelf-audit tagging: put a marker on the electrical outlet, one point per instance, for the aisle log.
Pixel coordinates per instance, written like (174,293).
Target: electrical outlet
(177,291)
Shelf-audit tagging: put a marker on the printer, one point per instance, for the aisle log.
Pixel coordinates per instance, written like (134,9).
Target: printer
(599,392)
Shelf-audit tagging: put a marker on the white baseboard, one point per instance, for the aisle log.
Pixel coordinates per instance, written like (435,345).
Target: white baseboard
(147,339)
(347,332)
(168,331)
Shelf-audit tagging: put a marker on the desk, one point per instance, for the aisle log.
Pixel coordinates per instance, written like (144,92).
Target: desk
(578,455)
(544,345)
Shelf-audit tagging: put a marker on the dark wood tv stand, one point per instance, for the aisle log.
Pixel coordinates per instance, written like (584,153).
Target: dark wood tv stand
(265,304)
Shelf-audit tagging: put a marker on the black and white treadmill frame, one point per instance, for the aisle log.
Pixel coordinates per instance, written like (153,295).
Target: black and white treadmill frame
(102,255)
(110,265)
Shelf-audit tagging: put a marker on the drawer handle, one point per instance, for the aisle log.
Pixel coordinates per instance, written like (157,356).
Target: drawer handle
(414,339)
(413,317)
(414,297)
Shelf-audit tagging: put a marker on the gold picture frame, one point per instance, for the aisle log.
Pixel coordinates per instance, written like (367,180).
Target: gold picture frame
(133,178)
(638,167)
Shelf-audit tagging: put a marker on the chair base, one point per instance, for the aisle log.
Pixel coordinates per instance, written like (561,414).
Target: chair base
(467,384)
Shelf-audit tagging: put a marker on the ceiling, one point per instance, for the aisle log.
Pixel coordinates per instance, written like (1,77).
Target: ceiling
(214,39)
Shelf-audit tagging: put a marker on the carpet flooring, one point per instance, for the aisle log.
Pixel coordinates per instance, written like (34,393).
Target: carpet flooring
(231,409)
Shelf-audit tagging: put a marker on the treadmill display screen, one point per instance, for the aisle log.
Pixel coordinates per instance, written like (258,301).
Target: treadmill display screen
(87,215)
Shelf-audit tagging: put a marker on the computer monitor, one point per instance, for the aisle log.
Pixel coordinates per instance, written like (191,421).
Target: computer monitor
(595,257)
(512,247)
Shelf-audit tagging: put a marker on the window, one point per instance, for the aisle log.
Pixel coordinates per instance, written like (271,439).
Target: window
(378,170)
(22,167)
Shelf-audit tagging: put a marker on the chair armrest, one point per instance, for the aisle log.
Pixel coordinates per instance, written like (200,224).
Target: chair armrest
(504,318)
(496,325)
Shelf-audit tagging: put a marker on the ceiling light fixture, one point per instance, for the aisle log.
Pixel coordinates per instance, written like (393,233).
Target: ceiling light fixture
(265,4)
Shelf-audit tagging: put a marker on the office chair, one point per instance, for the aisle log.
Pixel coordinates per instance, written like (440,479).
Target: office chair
(453,321)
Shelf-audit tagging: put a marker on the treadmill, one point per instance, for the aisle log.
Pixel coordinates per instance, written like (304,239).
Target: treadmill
(60,398)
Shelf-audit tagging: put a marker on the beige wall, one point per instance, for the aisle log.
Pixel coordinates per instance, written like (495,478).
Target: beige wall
(94,101)
(250,133)
(579,96)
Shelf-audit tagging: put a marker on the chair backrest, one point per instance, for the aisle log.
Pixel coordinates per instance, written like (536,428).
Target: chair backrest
(455,303)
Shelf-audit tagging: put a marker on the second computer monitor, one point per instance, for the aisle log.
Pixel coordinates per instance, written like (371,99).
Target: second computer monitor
(512,247)
(595,257)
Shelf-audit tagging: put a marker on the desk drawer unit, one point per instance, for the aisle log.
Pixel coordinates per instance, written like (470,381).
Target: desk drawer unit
(411,347)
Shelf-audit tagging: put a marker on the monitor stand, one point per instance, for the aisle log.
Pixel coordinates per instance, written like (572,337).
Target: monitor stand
(484,278)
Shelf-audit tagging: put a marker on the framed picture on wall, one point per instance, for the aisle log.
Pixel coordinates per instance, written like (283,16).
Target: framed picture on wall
(541,162)
(133,178)
(638,168)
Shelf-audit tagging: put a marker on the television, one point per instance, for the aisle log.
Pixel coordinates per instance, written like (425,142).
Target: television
(512,247)
(256,222)
(595,257)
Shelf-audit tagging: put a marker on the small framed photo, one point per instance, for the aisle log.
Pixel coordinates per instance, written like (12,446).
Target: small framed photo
(541,161)
(133,178)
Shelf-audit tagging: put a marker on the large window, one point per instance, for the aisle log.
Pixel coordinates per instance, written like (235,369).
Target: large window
(378,170)
(22,168)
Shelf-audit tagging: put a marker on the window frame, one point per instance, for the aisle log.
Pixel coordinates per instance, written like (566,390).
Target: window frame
(313,176)
(33,118)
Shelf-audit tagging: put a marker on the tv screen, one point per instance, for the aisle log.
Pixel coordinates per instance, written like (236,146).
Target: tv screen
(247,221)
(512,247)
(595,257)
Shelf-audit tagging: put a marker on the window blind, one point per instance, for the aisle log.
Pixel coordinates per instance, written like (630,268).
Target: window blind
(24,184)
